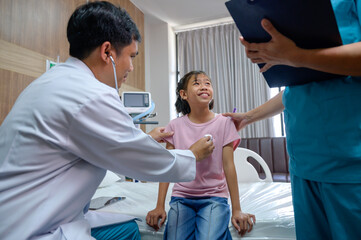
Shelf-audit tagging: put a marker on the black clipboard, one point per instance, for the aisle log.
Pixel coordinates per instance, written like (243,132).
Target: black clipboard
(310,24)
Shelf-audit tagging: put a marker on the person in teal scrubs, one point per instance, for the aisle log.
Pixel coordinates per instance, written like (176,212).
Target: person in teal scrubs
(323,127)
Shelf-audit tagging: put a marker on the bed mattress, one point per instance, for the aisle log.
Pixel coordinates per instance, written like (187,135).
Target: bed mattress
(271,203)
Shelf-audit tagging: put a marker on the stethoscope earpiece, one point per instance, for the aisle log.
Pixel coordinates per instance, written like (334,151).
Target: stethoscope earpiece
(115,74)
(111,59)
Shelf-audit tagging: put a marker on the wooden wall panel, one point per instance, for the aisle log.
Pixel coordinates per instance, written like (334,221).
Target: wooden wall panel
(22,60)
(36,29)
(10,90)
(39,25)
(136,78)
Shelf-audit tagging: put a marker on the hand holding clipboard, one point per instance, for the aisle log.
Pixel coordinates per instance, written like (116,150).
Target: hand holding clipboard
(309,24)
(277,48)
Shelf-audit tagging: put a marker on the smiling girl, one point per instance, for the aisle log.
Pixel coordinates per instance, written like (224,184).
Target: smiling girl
(199,209)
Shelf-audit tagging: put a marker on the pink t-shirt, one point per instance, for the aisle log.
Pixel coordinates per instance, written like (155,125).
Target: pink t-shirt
(210,179)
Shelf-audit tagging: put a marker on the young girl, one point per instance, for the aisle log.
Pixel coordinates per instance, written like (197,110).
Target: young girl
(199,209)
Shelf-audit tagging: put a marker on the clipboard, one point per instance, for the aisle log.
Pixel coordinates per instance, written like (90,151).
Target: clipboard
(311,24)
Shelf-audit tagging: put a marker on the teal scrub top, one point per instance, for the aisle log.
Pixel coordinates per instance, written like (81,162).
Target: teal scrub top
(323,119)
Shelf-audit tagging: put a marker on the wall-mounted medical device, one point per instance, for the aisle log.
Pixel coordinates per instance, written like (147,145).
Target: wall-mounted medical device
(136,102)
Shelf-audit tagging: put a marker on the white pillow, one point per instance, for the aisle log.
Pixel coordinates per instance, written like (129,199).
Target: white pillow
(109,179)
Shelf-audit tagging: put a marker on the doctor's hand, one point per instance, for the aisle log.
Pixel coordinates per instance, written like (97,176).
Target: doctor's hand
(158,134)
(202,148)
(280,50)
(240,120)
(153,217)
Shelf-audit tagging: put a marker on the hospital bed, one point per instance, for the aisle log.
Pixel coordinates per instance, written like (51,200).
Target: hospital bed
(270,202)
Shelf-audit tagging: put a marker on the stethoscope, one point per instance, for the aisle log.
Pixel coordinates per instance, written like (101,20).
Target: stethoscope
(115,74)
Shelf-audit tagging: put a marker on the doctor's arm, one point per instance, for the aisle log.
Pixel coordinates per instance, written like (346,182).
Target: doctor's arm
(270,108)
(201,149)
(280,50)
(111,141)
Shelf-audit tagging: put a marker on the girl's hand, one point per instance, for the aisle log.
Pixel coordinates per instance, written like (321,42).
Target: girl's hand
(243,222)
(154,216)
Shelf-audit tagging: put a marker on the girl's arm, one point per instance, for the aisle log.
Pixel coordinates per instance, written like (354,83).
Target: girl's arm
(243,222)
(159,211)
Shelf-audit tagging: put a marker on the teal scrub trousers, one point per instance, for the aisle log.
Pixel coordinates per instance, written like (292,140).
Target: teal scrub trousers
(335,207)
(123,231)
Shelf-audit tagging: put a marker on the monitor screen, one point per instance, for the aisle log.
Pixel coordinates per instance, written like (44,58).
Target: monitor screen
(136,99)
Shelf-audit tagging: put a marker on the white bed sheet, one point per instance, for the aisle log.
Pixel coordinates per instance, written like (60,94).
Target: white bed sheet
(270,202)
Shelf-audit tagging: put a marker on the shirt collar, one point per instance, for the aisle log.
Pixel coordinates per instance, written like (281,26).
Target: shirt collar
(79,64)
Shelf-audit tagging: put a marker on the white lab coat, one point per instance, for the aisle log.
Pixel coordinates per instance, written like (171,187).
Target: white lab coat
(65,129)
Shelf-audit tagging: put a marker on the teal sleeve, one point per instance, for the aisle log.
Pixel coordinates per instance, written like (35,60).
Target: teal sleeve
(358,9)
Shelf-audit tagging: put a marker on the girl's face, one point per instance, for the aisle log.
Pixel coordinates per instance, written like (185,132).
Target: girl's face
(199,91)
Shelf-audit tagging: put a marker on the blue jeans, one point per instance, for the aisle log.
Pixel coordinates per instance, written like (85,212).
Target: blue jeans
(123,231)
(198,218)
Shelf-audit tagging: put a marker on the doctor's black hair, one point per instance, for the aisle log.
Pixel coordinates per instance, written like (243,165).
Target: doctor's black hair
(94,23)
(181,105)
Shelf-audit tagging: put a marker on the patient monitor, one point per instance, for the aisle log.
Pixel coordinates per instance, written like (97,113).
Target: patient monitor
(140,106)
(136,102)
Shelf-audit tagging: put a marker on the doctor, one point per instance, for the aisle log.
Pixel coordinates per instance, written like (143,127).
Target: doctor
(323,126)
(68,126)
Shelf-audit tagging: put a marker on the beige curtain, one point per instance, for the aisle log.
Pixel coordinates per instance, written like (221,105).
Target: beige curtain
(237,82)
